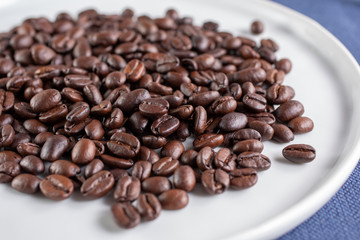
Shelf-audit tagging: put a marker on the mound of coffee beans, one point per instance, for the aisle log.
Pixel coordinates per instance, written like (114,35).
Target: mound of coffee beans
(102,104)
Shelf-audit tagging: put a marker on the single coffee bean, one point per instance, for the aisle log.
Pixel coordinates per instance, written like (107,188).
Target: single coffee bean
(233,121)
(56,187)
(174,199)
(184,178)
(93,94)
(64,168)
(156,185)
(125,215)
(215,181)
(284,64)
(55,114)
(224,105)
(8,170)
(248,145)
(54,147)
(116,162)
(9,156)
(278,94)
(200,119)
(147,154)
(208,139)
(7,135)
(129,101)
(253,75)
(189,157)
(254,160)
(83,152)
(28,149)
(137,123)
(243,178)
(154,107)
(127,189)
(289,110)
(301,125)
(32,164)
(93,167)
(282,133)
(115,120)
(299,153)
(172,149)
(34,126)
(257,27)
(266,117)
(26,183)
(41,54)
(78,112)
(45,100)
(154,142)
(265,130)
(141,170)
(254,102)
(225,160)
(165,166)
(204,158)
(165,125)
(148,206)
(94,130)
(124,145)
(98,185)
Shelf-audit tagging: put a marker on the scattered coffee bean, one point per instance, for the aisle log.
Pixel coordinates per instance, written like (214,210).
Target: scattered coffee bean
(299,153)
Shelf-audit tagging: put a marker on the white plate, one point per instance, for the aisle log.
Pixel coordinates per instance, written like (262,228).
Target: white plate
(326,79)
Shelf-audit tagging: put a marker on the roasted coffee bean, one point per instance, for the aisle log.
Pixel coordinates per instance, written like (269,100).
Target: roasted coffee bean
(6,119)
(183,112)
(172,149)
(301,125)
(72,94)
(165,166)
(208,139)
(224,105)
(156,185)
(98,185)
(233,121)
(215,181)
(249,145)
(200,119)
(299,153)
(78,112)
(115,119)
(9,156)
(282,133)
(34,126)
(102,109)
(225,160)
(127,189)
(129,101)
(166,63)
(245,133)
(254,160)
(116,162)
(148,206)
(20,138)
(41,54)
(174,199)
(7,135)
(77,81)
(45,100)
(257,27)
(154,142)
(183,132)
(124,145)
(184,178)
(32,164)
(204,98)
(83,152)
(115,79)
(8,170)
(284,65)
(85,62)
(266,117)
(243,178)
(147,154)
(93,94)
(28,149)
(289,110)
(41,138)
(56,187)
(93,167)
(94,130)
(265,130)
(165,125)
(64,168)
(141,170)
(189,157)
(154,107)
(255,102)
(204,158)
(278,94)
(54,147)
(55,114)
(253,75)
(125,215)
(26,183)
(23,110)
(134,70)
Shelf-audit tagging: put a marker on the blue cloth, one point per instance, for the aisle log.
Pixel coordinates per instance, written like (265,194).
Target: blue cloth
(340,217)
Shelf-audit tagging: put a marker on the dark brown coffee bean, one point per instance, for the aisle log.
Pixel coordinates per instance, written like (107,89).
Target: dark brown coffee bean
(137,123)
(23,110)
(141,170)
(174,199)
(94,130)
(32,164)
(154,142)
(148,206)
(165,166)
(204,158)
(28,149)
(299,153)
(93,94)
(10,156)
(184,178)
(204,98)
(54,147)
(233,121)
(154,107)
(282,133)
(93,167)
(224,105)
(284,65)
(156,185)
(215,181)
(254,160)
(125,215)
(278,94)
(165,125)
(200,119)
(172,149)
(124,145)
(83,152)
(77,81)
(102,109)
(85,62)
(301,125)
(6,119)
(78,112)
(73,129)
(45,100)
(255,102)
(129,101)
(266,117)
(265,130)
(6,65)
(55,114)
(7,135)
(289,110)
(253,75)
(98,185)
(166,63)
(115,162)
(41,54)
(127,189)
(249,145)
(243,178)
(26,183)
(8,170)
(189,157)
(115,120)
(56,187)
(183,112)
(208,139)
(34,126)
(225,160)
(72,94)
(257,27)
(64,168)
(134,70)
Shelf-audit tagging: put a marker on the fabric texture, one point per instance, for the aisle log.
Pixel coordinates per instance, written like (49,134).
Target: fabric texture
(340,218)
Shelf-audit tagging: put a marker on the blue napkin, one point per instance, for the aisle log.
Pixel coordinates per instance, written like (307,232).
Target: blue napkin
(340,217)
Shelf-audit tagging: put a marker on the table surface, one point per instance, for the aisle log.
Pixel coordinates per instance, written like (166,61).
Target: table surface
(340,217)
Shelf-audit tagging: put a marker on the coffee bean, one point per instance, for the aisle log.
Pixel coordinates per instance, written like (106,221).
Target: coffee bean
(265,130)
(284,65)
(154,107)
(215,181)
(208,139)
(93,167)
(289,110)
(127,189)
(204,158)
(94,130)
(8,170)
(55,114)
(32,164)
(129,101)
(141,170)
(184,178)
(301,125)
(56,187)
(134,70)
(282,133)
(7,135)
(254,160)
(189,157)
(64,168)
(165,125)
(26,149)
(233,121)
(26,183)
(41,54)
(97,185)
(249,145)
(225,160)
(257,27)
(112,161)
(78,112)
(165,166)
(156,185)
(124,145)
(174,199)
(253,75)
(54,147)
(172,149)
(83,152)
(279,94)
(299,153)
(148,206)
(255,102)
(9,156)
(125,215)
(45,100)
(243,178)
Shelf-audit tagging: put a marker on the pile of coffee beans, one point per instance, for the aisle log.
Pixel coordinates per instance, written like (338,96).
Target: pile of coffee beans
(101,104)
